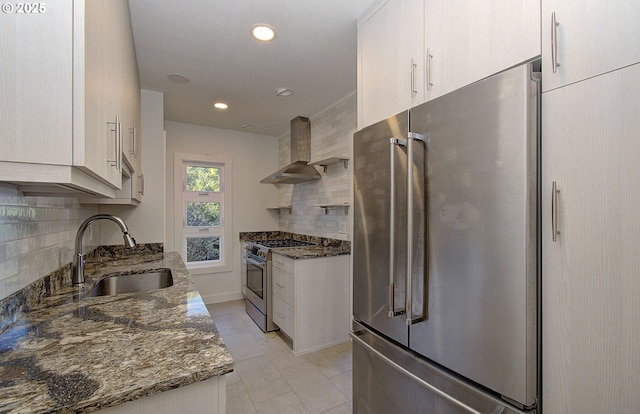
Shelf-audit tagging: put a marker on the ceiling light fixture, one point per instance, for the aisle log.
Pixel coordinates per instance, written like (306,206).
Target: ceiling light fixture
(284,92)
(263,32)
(220,105)
(177,78)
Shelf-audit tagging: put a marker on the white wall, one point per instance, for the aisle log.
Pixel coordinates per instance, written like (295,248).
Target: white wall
(253,158)
(146,221)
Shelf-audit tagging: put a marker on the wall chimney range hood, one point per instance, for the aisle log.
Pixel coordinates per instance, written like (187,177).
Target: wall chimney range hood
(299,171)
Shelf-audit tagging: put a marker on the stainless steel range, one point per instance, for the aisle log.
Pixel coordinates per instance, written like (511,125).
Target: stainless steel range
(258,301)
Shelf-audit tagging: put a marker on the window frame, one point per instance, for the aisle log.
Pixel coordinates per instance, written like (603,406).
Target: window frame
(224,197)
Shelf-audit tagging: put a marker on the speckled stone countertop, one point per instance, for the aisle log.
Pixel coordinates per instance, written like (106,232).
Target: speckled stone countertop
(69,353)
(324,247)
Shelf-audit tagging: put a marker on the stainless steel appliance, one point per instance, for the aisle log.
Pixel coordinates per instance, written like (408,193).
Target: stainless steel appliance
(258,302)
(446,253)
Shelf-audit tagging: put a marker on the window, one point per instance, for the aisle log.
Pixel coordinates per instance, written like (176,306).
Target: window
(202,212)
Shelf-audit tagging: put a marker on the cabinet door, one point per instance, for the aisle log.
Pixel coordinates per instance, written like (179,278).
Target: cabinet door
(97,121)
(390,60)
(468,40)
(36,85)
(593,37)
(591,310)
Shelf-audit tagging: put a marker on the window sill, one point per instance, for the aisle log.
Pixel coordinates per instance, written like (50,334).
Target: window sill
(196,270)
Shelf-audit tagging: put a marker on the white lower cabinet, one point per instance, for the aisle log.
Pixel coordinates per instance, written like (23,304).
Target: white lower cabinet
(311,300)
(208,396)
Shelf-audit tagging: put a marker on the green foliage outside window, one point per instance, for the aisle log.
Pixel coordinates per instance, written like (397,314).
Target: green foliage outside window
(203,213)
(203,178)
(200,249)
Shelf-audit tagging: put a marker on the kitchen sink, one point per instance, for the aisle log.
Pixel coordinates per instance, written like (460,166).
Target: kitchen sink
(133,282)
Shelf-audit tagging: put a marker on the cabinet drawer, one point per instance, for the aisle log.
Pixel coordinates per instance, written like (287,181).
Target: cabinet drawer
(283,286)
(283,316)
(282,262)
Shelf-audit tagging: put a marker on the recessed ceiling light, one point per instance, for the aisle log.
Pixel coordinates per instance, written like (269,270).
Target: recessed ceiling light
(220,105)
(177,78)
(284,92)
(263,32)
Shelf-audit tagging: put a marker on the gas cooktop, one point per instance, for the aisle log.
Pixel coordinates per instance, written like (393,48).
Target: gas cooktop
(283,243)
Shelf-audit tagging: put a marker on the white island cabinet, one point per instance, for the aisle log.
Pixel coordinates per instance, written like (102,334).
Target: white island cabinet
(202,397)
(69,96)
(311,300)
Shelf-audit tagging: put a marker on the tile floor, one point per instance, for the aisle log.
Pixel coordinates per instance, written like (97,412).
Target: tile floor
(268,378)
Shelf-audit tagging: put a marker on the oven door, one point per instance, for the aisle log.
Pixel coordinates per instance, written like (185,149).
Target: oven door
(256,283)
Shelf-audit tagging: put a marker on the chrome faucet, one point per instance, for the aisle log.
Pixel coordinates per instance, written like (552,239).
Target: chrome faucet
(78,258)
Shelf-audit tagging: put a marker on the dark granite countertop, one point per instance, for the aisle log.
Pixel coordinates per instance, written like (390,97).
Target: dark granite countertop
(324,247)
(74,354)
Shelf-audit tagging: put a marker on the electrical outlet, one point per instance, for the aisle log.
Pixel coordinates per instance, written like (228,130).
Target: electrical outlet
(342,227)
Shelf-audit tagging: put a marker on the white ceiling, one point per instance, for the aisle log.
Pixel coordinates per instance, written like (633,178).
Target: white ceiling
(209,42)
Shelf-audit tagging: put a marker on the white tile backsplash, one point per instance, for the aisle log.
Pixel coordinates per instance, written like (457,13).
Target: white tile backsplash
(37,236)
(331,134)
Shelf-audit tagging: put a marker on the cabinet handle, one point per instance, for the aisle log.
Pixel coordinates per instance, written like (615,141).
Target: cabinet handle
(134,145)
(429,82)
(554,212)
(119,146)
(279,285)
(554,43)
(112,127)
(414,92)
(141,187)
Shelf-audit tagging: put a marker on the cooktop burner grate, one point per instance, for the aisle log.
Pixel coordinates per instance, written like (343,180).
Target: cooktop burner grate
(283,243)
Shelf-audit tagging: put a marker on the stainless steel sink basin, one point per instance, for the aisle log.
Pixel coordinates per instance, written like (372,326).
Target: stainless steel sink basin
(133,282)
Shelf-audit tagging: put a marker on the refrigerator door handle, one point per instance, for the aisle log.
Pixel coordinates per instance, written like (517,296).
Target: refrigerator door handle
(393,312)
(410,320)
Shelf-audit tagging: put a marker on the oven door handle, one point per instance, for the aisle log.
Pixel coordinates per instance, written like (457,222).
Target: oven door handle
(256,263)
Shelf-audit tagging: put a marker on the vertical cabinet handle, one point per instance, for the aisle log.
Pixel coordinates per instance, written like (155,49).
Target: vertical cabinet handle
(554,212)
(134,144)
(414,92)
(429,81)
(554,43)
(119,146)
(141,186)
(112,128)
(393,142)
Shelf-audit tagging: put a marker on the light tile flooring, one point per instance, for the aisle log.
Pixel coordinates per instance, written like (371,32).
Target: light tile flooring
(268,378)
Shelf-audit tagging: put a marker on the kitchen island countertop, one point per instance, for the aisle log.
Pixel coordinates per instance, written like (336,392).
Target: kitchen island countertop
(77,354)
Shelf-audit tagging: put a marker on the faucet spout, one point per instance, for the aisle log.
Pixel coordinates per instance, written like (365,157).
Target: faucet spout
(78,258)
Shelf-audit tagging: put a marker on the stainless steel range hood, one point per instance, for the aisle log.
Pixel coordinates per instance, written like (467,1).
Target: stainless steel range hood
(298,171)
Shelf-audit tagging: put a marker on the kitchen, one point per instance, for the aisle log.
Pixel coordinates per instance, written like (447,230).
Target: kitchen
(251,211)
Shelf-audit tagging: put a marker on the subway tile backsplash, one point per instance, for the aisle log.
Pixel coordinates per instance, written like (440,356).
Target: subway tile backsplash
(37,236)
(331,135)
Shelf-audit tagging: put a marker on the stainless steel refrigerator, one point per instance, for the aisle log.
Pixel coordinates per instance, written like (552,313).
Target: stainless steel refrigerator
(446,253)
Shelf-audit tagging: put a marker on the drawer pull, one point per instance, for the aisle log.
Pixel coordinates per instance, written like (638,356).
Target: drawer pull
(280,286)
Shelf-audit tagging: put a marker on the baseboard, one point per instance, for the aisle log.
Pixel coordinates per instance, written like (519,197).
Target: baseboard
(224,297)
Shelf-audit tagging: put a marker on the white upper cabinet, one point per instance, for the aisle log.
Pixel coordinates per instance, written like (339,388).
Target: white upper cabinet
(68,96)
(588,38)
(390,59)
(411,51)
(468,40)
